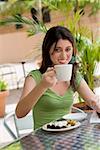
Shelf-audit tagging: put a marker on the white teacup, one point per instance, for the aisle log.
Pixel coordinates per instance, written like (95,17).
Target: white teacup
(63,72)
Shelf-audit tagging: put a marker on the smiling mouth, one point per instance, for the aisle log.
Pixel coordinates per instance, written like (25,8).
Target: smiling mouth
(62,61)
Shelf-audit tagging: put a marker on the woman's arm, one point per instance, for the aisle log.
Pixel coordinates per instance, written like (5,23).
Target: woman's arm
(32,92)
(87,94)
(30,95)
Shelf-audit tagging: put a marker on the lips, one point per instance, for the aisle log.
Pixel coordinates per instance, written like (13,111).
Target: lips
(62,61)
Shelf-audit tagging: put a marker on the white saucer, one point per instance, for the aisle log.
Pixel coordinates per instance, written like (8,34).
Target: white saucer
(75,116)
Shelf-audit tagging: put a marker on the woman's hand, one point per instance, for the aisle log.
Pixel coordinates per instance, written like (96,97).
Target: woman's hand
(49,78)
(95,104)
(89,96)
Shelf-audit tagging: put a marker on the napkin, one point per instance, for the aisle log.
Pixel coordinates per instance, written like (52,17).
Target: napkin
(94,118)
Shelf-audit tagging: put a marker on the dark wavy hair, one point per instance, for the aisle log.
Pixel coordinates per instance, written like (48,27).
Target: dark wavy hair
(52,36)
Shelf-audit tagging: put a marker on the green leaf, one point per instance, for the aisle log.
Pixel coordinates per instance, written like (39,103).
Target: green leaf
(3,85)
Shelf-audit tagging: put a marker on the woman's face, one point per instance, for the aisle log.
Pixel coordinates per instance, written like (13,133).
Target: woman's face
(62,53)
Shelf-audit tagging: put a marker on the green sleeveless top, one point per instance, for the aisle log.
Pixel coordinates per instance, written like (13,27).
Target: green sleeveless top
(51,106)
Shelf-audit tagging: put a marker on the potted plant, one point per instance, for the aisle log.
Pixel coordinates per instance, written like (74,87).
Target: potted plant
(3,94)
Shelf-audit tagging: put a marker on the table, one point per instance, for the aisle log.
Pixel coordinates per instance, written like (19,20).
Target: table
(86,137)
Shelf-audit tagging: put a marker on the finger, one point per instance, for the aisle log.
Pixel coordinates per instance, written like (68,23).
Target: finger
(51,74)
(50,68)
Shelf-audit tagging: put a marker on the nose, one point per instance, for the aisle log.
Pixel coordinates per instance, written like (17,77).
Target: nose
(63,55)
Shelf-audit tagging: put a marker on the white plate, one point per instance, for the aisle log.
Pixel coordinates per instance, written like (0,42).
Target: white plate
(62,129)
(75,116)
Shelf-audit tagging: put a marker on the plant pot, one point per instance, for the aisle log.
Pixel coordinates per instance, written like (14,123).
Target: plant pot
(83,106)
(3,96)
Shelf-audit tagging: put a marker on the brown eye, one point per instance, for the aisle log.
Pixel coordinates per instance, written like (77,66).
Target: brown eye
(57,50)
(68,49)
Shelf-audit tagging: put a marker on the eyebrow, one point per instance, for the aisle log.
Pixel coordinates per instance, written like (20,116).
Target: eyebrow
(61,47)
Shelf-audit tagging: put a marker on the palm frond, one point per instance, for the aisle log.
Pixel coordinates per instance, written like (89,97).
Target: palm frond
(14,7)
(33,26)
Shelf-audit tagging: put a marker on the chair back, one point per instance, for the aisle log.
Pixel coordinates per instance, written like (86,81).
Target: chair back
(18,127)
